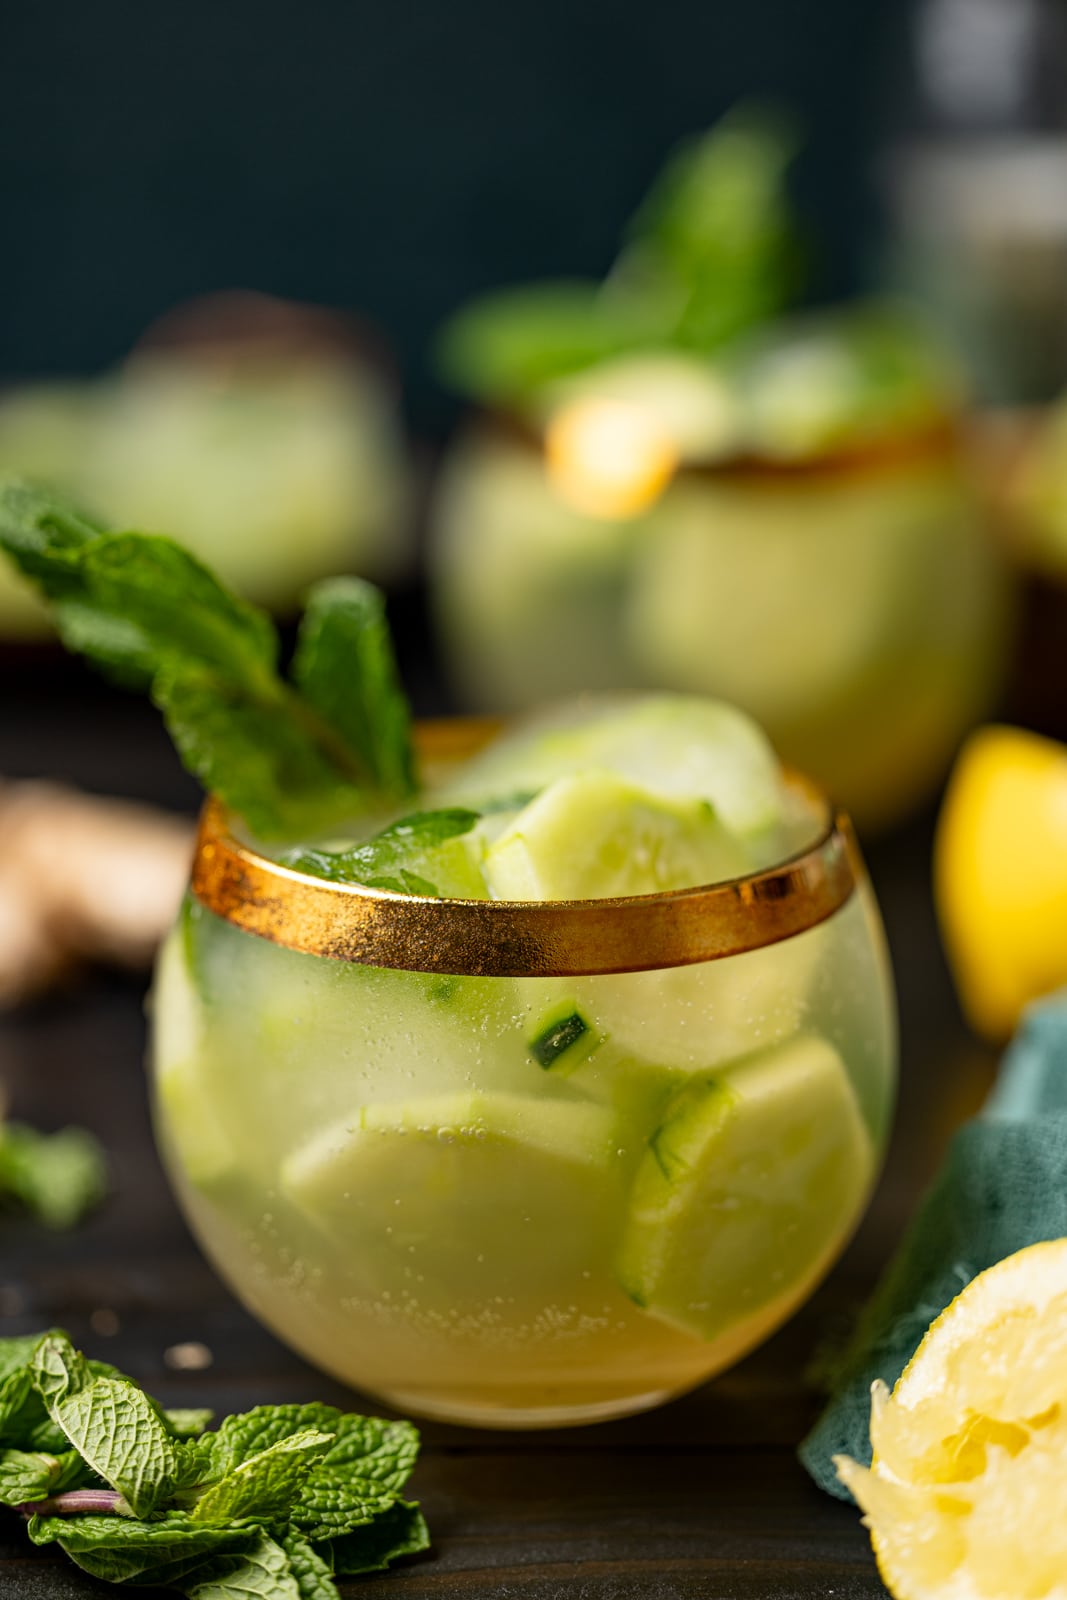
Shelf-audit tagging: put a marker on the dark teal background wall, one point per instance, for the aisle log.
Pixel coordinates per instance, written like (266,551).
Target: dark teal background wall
(391,156)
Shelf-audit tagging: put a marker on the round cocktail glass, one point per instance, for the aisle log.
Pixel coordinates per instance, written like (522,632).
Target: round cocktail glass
(877,639)
(524,1163)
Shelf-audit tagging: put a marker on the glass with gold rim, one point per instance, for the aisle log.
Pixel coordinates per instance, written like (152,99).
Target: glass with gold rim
(852,602)
(524,1163)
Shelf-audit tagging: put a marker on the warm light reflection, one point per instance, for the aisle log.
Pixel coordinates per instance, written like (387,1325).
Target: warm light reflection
(608,458)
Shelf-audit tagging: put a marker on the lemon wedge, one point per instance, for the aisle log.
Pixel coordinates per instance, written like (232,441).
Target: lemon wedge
(964,1495)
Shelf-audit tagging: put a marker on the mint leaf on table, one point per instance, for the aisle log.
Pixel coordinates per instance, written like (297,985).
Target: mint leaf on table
(188,1422)
(57,1177)
(290,758)
(400,1531)
(265,1485)
(268,1507)
(16,1354)
(262,1572)
(384,862)
(312,1572)
(248,1433)
(33,1474)
(126,1550)
(358,1479)
(113,1425)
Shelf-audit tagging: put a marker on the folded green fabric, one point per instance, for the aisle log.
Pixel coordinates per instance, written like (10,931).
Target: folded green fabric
(1003,1186)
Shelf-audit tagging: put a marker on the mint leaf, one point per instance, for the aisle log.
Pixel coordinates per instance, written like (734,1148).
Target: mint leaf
(360,1476)
(16,1354)
(256,753)
(260,1573)
(507,345)
(345,667)
(112,1424)
(24,1422)
(385,861)
(712,250)
(248,1433)
(58,1177)
(43,533)
(124,1550)
(314,1575)
(31,1475)
(402,1531)
(711,253)
(141,607)
(265,1485)
(188,1423)
(177,605)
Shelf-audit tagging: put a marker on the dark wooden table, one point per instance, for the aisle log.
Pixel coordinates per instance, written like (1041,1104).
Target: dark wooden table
(702,1498)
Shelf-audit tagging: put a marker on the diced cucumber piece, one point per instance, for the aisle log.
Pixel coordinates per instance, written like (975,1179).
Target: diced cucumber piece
(479,1194)
(562,1039)
(599,835)
(677,747)
(746,1191)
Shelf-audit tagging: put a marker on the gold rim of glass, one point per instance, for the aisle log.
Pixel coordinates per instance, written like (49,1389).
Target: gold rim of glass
(522,938)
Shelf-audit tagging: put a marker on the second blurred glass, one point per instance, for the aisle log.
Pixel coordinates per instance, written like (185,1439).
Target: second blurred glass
(794,531)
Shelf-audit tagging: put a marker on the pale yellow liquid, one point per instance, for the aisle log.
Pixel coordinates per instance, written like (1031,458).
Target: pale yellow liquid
(475,1281)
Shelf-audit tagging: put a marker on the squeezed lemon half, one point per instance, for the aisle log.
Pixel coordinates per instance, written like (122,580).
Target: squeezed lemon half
(964,1496)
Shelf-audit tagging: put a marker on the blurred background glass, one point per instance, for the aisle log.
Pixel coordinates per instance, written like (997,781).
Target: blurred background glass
(262,433)
(679,483)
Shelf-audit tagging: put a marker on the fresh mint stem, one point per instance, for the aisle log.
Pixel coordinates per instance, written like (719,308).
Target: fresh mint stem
(76,1502)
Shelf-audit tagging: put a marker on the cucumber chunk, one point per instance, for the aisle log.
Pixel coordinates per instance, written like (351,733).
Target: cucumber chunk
(478,1194)
(598,835)
(677,747)
(746,1191)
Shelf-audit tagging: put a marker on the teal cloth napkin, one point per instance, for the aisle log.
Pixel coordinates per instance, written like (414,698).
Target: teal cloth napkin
(1003,1186)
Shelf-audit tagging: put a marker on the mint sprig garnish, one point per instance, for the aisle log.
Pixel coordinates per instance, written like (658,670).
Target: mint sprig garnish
(385,861)
(711,253)
(291,757)
(274,1504)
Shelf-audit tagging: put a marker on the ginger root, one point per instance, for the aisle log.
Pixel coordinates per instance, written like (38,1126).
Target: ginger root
(82,878)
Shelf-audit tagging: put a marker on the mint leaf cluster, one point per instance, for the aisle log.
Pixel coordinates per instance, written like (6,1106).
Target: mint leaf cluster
(275,1503)
(293,755)
(56,1177)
